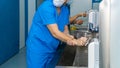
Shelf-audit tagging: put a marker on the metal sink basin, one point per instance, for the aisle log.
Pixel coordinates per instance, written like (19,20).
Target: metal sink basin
(81,33)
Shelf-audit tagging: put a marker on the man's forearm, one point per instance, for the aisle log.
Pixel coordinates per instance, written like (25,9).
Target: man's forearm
(73,18)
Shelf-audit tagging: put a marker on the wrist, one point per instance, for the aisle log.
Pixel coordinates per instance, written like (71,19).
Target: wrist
(79,15)
(74,22)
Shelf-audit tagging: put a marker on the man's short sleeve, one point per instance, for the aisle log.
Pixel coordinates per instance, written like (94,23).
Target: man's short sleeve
(47,15)
(67,15)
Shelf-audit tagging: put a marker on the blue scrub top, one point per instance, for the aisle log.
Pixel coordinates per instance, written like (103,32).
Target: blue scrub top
(40,39)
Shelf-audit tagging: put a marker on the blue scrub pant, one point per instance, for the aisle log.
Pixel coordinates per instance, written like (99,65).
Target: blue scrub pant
(45,60)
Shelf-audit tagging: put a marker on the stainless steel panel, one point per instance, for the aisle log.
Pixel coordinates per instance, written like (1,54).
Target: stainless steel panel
(105,34)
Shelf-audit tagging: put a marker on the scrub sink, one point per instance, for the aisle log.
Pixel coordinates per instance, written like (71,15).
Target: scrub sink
(76,57)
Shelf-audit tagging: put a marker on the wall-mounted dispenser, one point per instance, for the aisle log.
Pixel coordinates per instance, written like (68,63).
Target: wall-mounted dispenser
(93,21)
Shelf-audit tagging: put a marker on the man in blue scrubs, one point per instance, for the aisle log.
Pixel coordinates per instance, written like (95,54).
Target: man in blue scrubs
(49,27)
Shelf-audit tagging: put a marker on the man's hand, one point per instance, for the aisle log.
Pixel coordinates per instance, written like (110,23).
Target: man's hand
(77,42)
(81,41)
(72,42)
(79,22)
(84,14)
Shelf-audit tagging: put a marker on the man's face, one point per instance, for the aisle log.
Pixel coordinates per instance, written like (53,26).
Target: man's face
(65,1)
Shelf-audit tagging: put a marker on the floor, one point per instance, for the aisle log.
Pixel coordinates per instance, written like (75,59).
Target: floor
(19,61)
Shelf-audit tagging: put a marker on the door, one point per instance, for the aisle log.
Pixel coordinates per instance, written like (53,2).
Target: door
(9,29)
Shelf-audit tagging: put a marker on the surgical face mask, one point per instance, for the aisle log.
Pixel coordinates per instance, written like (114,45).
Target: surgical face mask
(69,2)
(58,3)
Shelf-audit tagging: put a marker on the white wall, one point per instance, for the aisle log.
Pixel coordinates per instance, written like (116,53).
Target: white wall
(115,34)
(31,11)
(22,23)
(80,6)
(109,34)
